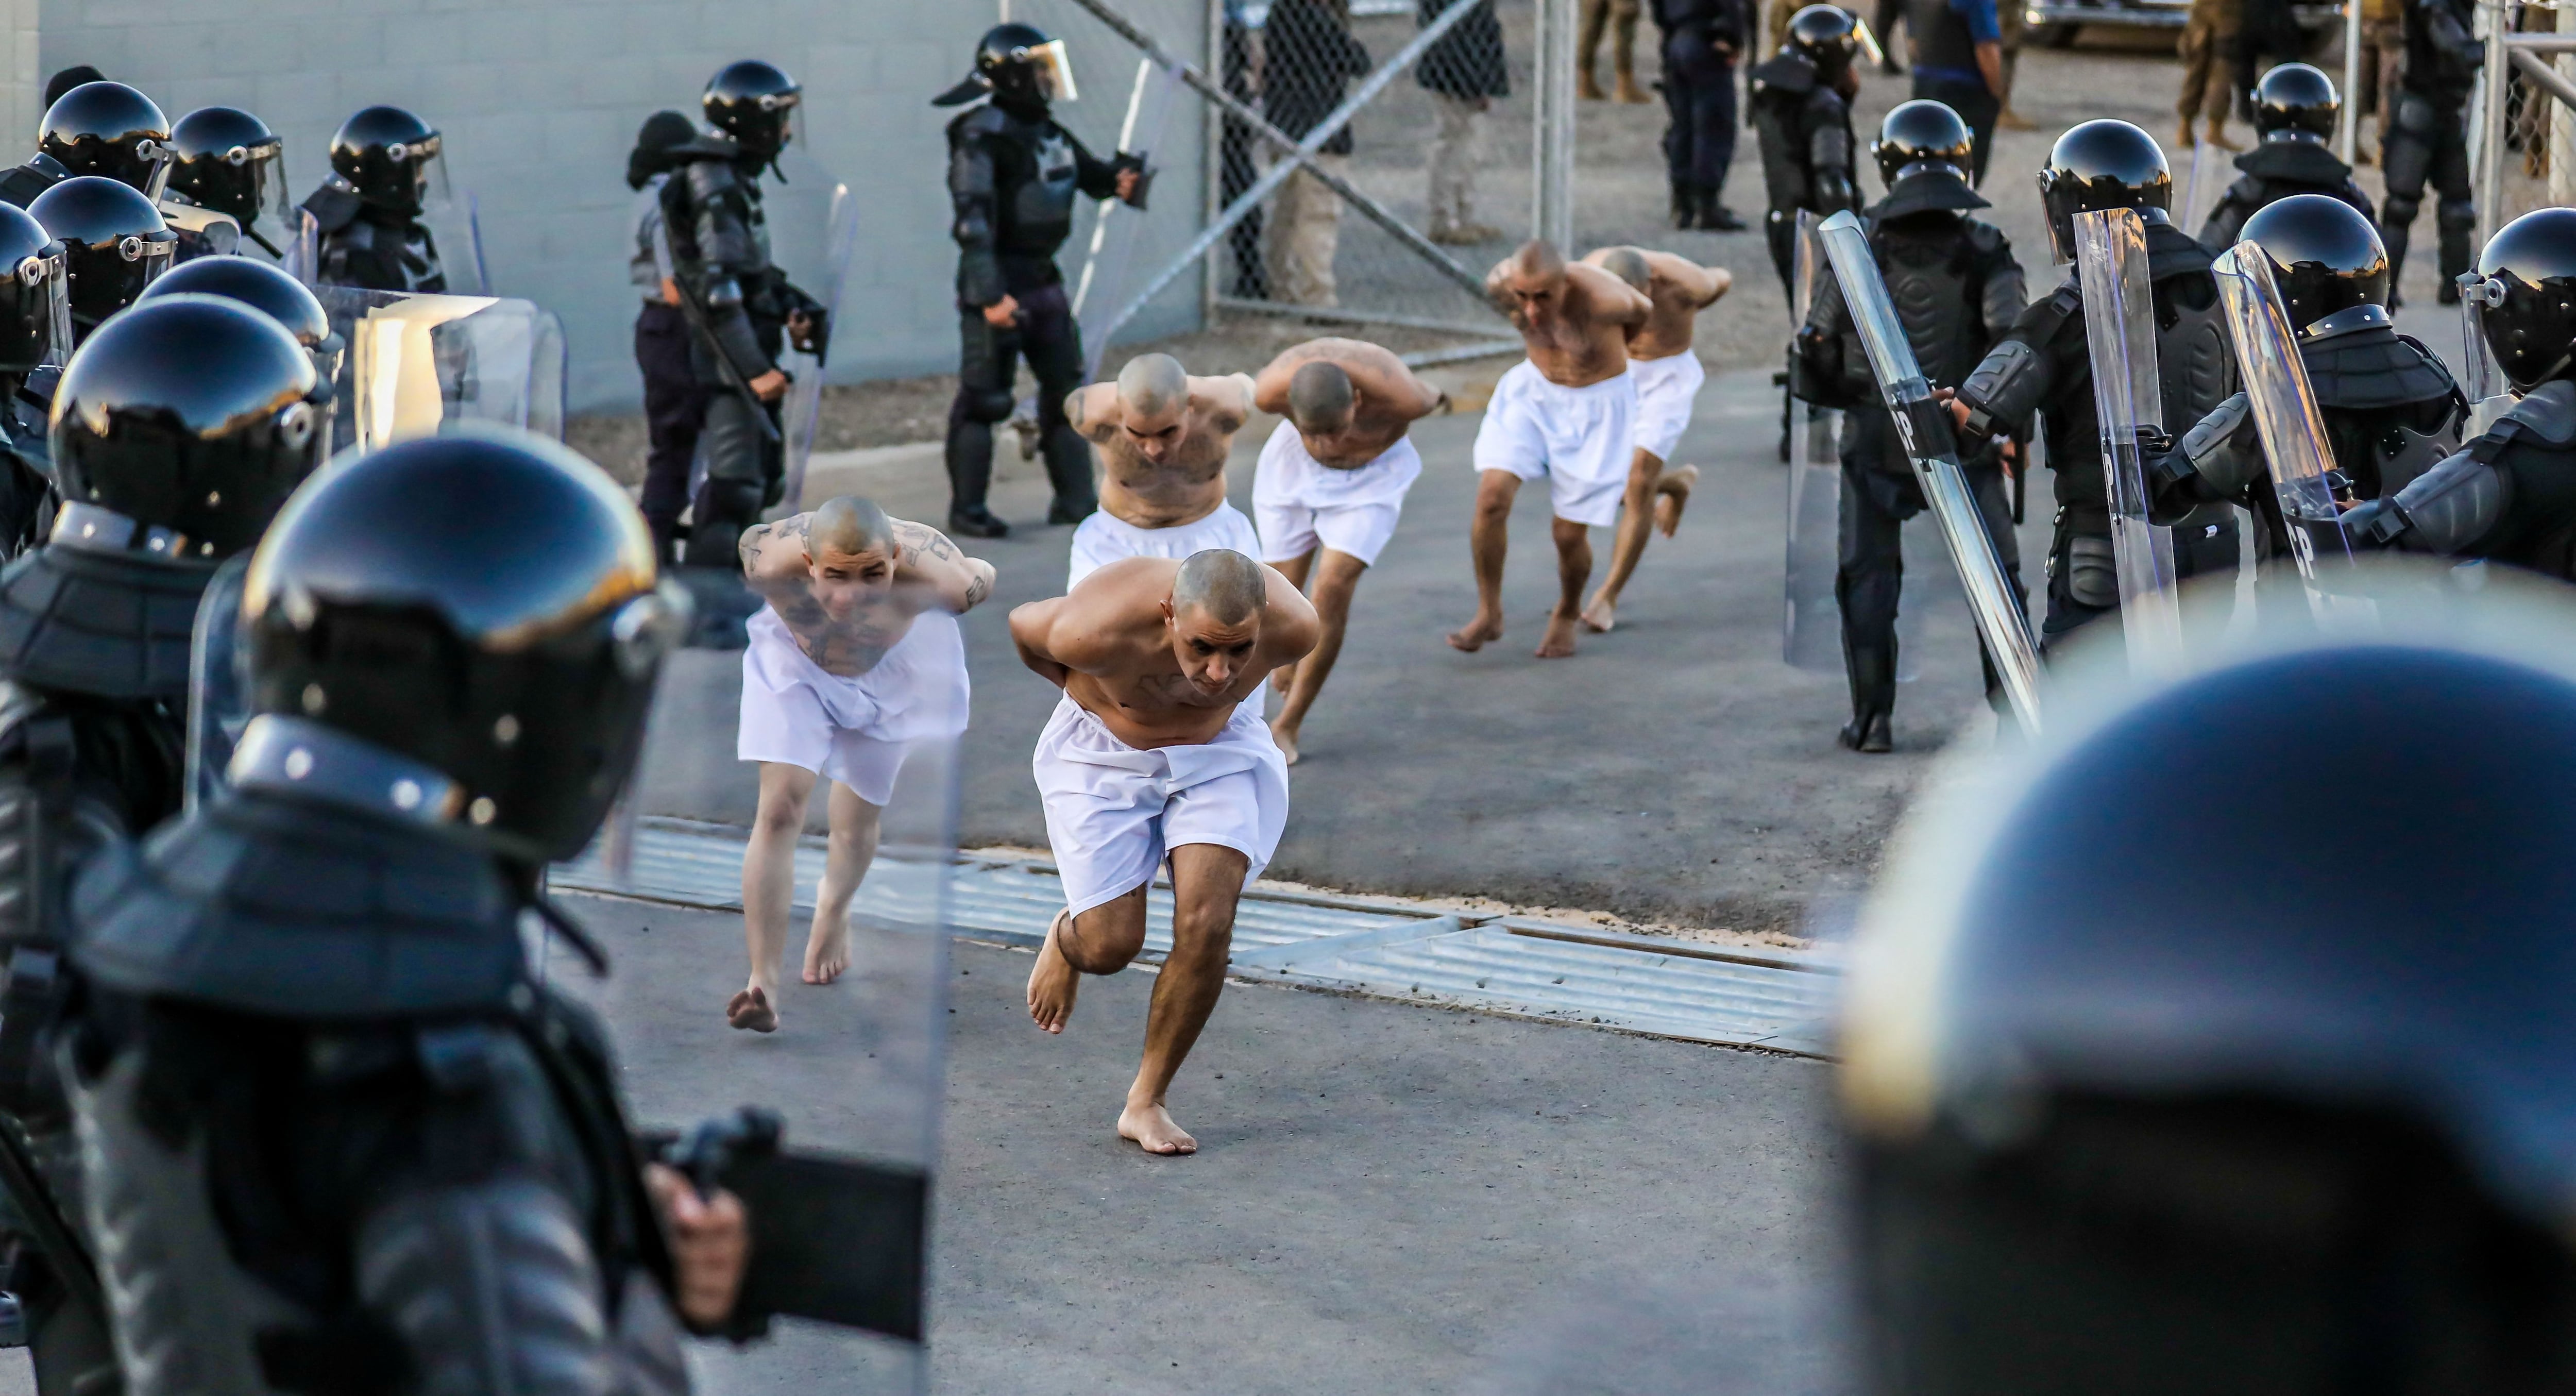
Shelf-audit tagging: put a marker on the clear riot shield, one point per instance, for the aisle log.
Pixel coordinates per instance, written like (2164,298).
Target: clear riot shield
(1925,426)
(2200,189)
(303,255)
(835,1159)
(455,226)
(1108,276)
(1811,621)
(2481,378)
(218,705)
(2285,408)
(416,362)
(2128,397)
(804,412)
(812,219)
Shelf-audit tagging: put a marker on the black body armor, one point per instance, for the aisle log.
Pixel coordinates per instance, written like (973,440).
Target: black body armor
(2509,496)
(1014,176)
(370,247)
(2284,164)
(1803,127)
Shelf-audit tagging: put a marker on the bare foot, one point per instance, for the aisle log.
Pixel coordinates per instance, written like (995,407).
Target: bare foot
(1477,633)
(1286,737)
(750,1011)
(1672,495)
(827,953)
(1601,615)
(1152,1128)
(1053,981)
(1558,642)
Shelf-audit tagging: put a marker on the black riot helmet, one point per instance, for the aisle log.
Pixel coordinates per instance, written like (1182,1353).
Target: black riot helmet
(2326,259)
(272,291)
(1018,66)
(1827,36)
(2296,102)
(2101,164)
(1920,132)
(388,156)
(2523,297)
(482,603)
(35,308)
(108,128)
(2151,1093)
(191,416)
(755,103)
(114,242)
(229,161)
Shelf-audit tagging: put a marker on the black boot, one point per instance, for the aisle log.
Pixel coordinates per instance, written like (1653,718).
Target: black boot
(1872,672)
(1715,217)
(1068,463)
(1685,205)
(976,521)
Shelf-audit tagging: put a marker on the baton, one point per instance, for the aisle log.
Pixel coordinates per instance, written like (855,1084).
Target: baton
(696,315)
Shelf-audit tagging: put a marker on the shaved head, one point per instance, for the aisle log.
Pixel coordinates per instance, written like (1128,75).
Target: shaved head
(1538,260)
(847,525)
(1629,265)
(1153,385)
(1224,585)
(1320,397)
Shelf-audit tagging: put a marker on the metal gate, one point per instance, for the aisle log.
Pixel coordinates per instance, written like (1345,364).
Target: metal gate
(2523,132)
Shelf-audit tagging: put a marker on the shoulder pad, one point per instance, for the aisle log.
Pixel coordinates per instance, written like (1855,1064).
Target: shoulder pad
(1785,73)
(706,145)
(1985,238)
(977,122)
(2546,413)
(333,206)
(2373,367)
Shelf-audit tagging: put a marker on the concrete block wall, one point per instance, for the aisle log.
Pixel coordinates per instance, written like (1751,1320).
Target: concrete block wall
(539,101)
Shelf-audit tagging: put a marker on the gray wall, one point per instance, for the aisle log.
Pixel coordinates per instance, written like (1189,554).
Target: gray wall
(539,101)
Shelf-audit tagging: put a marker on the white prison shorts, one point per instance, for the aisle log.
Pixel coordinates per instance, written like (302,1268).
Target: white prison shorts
(1104,538)
(853,730)
(1666,389)
(1298,501)
(1114,812)
(1579,438)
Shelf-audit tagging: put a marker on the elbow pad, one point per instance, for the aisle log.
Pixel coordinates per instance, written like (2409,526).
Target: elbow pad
(2002,391)
(723,292)
(2446,510)
(2217,459)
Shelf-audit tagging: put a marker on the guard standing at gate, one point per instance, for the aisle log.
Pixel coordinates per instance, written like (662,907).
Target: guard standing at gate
(1013,176)
(1802,115)
(1956,287)
(2429,139)
(1701,41)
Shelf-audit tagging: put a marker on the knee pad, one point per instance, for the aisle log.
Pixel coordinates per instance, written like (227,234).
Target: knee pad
(985,407)
(2092,572)
(736,502)
(2399,210)
(2455,215)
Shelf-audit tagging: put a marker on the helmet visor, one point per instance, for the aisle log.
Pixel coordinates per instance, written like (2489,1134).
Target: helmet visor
(1054,72)
(2481,377)
(271,214)
(44,294)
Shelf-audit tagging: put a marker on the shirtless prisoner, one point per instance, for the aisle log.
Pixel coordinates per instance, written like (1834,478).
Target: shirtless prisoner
(1330,487)
(1567,413)
(1154,754)
(1164,437)
(855,658)
(1668,378)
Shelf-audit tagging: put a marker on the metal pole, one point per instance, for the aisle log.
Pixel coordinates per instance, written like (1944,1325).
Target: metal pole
(1295,155)
(1212,164)
(2491,118)
(1552,142)
(2548,79)
(2350,136)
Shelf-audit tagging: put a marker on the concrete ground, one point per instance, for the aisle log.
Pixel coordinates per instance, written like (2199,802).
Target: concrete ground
(1386,1198)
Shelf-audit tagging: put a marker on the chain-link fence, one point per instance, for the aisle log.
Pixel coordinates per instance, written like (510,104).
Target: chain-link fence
(2524,137)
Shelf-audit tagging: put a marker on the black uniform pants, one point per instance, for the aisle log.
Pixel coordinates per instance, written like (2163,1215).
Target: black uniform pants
(1869,575)
(2428,141)
(675,411)
(1047,337)
(1236,171)
(1975,105)
(1699,103)
(2083,573)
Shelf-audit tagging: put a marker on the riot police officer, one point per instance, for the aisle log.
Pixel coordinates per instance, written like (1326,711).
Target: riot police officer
(228,161)
(2511,495)
(35,338)
(1801,100)
(2295,110)
(1956,287)
(742,308)
(2136,1103)
(2390,408)
(2043,365)
(2429,140)
(386,166)
(1013,176)
(96,128)
(273,293)
(178,432)
(114,244)
(339,1127)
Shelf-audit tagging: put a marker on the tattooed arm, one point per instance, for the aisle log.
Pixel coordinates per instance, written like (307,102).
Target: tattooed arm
(774,564)
(927,560)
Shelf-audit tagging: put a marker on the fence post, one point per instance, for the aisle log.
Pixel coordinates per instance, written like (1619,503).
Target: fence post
(1552,144)
(2489,169)
(1212,163)
(2350,136)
